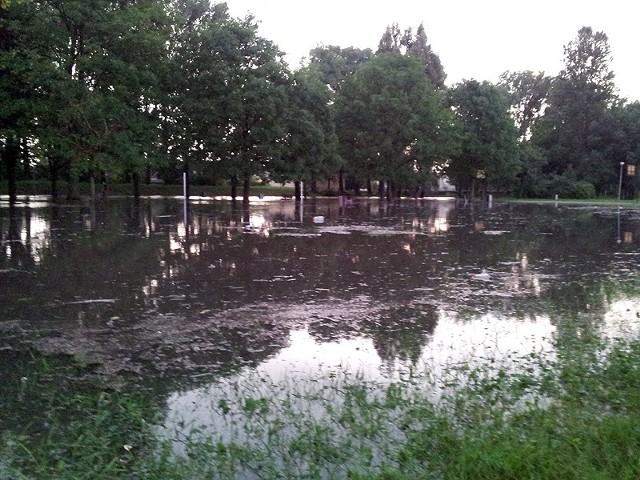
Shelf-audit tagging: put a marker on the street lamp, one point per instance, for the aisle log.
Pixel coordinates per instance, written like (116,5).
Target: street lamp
(620,182)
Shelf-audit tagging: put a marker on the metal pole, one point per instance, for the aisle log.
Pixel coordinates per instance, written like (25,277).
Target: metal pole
(184,190)
(620,182)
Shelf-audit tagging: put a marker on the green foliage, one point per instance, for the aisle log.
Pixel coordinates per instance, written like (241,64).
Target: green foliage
(78,431)
(529,93)
(420,48)
(121,90)
(488,140)
(391,123)
(310,144)
(395,41)
(578,101)
(229,95)
(92,73)
(336,64)
(565,186)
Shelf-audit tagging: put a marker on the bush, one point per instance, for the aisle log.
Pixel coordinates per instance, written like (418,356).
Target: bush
(564,187)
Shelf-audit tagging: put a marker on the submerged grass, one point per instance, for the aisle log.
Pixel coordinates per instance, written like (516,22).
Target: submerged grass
(573,416)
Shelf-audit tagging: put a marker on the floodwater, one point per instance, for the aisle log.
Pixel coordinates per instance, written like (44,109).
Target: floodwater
(282,290)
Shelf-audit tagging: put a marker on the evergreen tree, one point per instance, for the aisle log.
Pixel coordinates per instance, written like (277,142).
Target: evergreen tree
(579,99)
(393,40)
(420,48)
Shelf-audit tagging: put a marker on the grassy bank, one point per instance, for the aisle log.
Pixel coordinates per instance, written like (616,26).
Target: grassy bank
(573,416)
(608,202)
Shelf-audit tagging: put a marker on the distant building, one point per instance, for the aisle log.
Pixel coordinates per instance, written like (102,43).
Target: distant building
(444,185)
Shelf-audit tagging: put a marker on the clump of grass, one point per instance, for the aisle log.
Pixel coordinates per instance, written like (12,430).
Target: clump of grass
(575,415)
(64,427)
(90,435)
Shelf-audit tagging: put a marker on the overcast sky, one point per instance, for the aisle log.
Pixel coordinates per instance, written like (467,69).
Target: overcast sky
(477,39)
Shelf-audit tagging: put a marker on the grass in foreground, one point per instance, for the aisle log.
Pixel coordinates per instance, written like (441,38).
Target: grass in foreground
(575,417)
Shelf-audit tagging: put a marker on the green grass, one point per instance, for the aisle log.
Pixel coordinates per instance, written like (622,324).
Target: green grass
(608,201)
(573,416)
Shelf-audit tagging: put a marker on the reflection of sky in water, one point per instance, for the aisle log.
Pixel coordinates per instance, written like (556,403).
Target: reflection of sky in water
(488,340)
(622,320)
(489,278)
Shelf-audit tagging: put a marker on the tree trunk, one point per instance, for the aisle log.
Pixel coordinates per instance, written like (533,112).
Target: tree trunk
(298,190)
(391,190)
(356,188)
(26,163)
(234,187)
(53,173)
(246,189)
(341,181)
(136,184)
(10,156)
(369,187)
(314,187)
(72,188)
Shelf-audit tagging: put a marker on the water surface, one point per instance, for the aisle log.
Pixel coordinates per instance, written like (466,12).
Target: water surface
(282,290)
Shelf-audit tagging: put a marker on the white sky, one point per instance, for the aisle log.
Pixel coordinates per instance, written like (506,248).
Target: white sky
(474,39)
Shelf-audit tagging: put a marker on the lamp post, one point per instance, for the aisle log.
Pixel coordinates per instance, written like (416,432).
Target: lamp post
(620,182)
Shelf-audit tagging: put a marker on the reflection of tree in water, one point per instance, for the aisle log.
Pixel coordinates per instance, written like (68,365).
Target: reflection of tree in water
(17,251)
(400,333)
(139,256)
(333,328)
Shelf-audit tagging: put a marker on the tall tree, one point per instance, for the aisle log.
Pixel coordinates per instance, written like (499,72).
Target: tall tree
(202,56)
(310,144)
(529,93)
(393,40)
(420,48)
(255,108)
(336,64)
(488,143)
(390,122)
(16,94)
(578,100)
(91,68)
(616,138)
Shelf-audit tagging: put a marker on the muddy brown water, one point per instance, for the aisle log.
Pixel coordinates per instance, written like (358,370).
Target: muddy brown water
(285,289)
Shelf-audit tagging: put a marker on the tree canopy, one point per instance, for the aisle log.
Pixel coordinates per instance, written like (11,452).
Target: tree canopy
(390,121)
(113,90)
(488,136)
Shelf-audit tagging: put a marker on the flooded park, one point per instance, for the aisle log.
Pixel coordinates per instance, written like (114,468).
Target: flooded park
(192,305)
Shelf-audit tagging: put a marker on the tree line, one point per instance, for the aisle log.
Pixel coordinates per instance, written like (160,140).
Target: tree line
(118,90)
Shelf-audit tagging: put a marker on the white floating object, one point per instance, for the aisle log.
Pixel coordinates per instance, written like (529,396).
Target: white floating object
(484,276)
(318,219)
